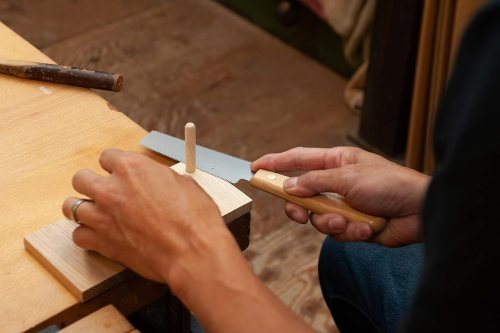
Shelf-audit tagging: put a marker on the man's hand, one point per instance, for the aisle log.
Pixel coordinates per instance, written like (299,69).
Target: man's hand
(166,228)
(146,216)
(368,182)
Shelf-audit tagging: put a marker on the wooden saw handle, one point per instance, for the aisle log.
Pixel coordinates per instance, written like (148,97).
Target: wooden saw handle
(272,182)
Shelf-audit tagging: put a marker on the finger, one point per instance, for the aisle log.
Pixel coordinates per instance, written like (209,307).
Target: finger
(87,212)
(85,237)
(354,232)
(87,182)
(109,159)
(296,212)
(300,159)
(338,180)
(330,224)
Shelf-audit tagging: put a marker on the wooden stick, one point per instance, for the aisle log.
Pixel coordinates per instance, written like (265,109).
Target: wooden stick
(73,76)
(190,141)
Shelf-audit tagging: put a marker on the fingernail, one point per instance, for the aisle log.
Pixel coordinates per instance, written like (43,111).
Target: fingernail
(290,183)
(295,216)
(333,225)
(363,233)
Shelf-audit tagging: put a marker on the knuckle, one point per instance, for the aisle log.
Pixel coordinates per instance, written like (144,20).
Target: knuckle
(106,194)
(77,177)
(80,239)
(297,149)
(128,162)
(66,207)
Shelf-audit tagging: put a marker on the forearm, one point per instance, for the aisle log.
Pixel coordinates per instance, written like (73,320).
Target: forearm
(225,295)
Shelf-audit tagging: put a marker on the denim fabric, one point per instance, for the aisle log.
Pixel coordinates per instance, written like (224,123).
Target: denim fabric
(368,287)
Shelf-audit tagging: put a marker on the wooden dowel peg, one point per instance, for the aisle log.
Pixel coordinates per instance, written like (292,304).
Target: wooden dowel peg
(190,142)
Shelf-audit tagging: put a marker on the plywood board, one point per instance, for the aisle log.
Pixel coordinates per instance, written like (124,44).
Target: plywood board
(105,320)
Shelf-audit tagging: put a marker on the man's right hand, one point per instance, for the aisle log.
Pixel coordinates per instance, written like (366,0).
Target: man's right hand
(369,183)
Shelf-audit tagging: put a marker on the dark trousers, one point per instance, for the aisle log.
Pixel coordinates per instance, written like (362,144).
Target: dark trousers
(368,287)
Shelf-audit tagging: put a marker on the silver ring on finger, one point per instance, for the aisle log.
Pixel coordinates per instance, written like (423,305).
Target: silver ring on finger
(74,207)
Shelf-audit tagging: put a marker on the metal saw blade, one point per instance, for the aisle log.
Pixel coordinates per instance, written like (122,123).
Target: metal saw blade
(216,163)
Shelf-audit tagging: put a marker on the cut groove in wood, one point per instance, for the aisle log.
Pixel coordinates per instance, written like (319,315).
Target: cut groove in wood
(85,274)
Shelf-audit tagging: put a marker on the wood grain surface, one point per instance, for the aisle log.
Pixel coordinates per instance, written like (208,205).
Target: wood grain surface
(232,202)
(48,132)
(86,274)
(288,266)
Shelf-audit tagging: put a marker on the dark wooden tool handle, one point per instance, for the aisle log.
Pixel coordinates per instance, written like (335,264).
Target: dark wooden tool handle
(272,182)
(63,74)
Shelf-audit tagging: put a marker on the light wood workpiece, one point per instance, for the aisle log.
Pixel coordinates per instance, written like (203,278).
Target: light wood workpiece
(47,133)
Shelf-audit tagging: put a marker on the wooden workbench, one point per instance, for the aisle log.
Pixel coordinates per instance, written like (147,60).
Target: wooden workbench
(47,133)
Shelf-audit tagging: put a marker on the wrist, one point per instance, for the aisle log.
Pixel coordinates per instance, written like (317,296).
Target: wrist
(210,256)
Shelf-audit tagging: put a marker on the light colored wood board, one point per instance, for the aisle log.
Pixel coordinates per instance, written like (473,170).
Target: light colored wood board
(46,135)
(232,202)
(86,274)
(105,320)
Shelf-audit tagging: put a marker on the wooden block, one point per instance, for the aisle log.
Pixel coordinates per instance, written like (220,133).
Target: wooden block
(85,274)
(232,202)
(105,320)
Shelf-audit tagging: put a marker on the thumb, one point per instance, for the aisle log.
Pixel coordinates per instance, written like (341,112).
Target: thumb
(315,182)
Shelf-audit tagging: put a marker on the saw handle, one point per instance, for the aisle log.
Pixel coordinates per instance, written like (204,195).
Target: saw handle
(69,75)
(272,182)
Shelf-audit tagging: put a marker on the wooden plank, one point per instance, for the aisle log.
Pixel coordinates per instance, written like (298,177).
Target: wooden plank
(47,132)
(282,260)
(86,274)
(128,297)
(105,320)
